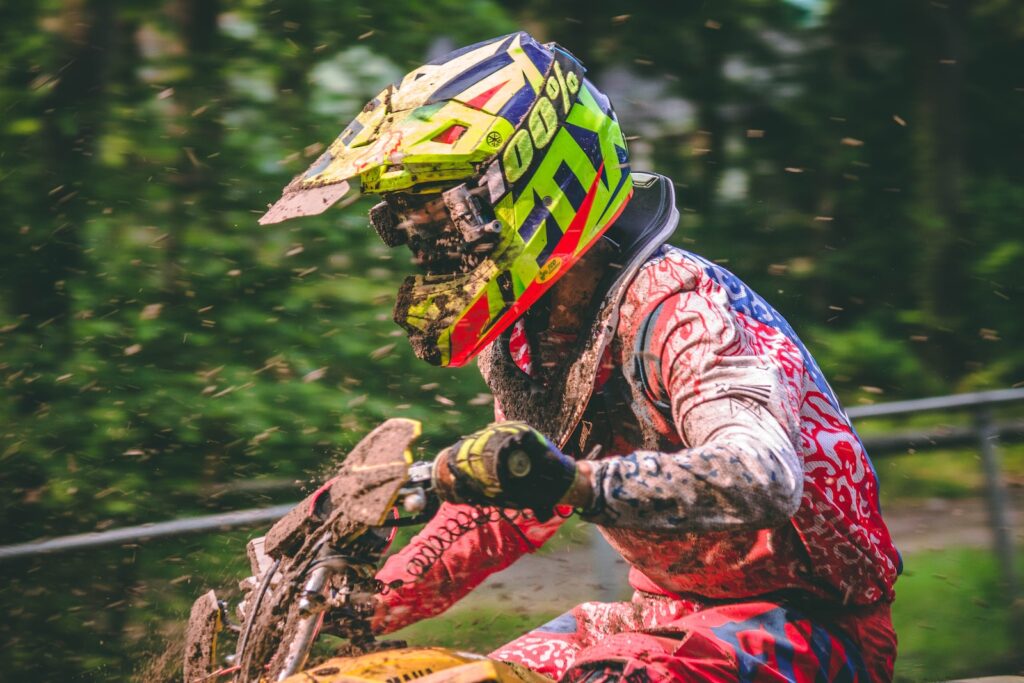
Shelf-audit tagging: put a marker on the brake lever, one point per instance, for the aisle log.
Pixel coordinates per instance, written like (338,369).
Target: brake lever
(417,496)
(421,473)
(429,507)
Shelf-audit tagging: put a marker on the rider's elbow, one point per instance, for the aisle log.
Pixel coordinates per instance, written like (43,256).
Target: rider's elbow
(783,495)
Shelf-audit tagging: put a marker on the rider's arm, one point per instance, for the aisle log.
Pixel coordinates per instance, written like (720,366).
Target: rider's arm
(464,561)
(734,390)
(467,558)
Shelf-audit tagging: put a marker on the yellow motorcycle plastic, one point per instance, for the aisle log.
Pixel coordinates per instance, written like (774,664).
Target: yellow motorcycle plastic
(423,665)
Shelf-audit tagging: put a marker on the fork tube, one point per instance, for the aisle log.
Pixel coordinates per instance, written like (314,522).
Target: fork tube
(305,632)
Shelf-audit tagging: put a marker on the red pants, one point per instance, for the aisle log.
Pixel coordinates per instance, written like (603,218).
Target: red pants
(661,639)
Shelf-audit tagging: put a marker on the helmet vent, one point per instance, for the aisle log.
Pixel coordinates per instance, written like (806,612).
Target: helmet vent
(483,98)
(450,135)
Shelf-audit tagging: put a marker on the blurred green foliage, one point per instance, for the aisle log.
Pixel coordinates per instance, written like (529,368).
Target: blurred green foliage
(857,162)
(952,617)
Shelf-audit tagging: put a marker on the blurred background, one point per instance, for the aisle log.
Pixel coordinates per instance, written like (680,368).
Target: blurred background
(859,162)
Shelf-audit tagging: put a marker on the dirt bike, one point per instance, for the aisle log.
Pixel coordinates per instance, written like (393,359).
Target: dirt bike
(315,571)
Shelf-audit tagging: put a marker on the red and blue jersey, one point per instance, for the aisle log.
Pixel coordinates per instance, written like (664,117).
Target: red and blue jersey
(731,471)
(739,405)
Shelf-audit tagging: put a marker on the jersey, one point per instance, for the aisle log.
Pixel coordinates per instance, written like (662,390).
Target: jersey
(730,470)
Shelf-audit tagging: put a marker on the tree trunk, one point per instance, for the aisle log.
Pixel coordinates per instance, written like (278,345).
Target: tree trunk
(943,278)
(50,249)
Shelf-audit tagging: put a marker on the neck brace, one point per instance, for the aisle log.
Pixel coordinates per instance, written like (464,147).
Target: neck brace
(554,403)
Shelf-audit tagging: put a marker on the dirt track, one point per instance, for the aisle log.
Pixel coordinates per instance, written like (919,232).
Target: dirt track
(937,524)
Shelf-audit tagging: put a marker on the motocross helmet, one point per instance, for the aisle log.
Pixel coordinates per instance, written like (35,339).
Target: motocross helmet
(519,156)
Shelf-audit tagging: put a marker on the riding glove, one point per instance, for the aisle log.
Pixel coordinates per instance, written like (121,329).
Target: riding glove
(509,464)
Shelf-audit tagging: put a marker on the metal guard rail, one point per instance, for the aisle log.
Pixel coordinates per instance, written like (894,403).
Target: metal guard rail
(979,401)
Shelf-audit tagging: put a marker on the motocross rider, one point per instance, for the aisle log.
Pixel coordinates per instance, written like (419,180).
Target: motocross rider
(642,387)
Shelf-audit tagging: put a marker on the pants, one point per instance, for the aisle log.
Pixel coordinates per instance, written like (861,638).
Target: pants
(661,639)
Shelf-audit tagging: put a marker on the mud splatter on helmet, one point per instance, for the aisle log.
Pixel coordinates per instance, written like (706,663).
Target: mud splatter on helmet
(528,159)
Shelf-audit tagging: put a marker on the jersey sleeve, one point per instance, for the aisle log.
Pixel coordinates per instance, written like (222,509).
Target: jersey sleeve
(733,387)
(460,547)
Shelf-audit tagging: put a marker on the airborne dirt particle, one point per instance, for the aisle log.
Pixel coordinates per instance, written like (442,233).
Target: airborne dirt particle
(314,375)
(382,352)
